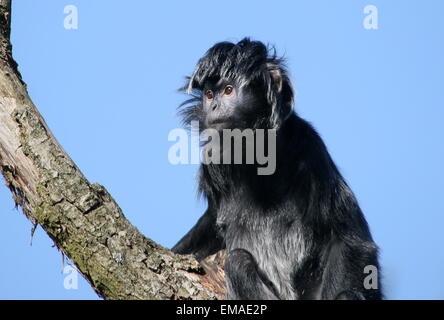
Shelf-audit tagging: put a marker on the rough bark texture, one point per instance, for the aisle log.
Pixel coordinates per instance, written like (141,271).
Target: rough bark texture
(83,219)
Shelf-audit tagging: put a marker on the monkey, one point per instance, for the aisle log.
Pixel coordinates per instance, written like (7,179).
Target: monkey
(297,233)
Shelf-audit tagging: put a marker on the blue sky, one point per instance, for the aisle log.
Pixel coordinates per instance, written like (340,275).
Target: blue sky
(108,92)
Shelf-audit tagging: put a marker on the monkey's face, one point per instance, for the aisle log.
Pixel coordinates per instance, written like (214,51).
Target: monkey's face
(228,105)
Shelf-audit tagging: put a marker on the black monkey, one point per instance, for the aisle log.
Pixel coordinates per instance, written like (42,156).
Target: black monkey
(295,234)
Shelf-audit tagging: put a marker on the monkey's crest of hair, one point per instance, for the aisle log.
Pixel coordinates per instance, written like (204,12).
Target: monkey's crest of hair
(245,63)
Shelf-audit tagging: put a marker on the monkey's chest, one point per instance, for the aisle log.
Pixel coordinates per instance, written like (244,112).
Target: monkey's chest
(275,240)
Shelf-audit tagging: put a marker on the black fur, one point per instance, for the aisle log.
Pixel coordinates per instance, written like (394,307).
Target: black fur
(296,234)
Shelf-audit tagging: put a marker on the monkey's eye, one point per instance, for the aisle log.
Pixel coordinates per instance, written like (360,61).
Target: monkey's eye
(209,94)
(228,90)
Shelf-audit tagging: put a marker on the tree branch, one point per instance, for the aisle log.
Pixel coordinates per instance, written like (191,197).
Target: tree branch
(83,219)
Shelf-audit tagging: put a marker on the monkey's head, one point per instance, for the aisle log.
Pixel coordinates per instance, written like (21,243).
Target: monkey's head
(241,85)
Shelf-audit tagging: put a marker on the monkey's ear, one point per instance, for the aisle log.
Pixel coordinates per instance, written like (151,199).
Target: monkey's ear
(276,75)
(280,94)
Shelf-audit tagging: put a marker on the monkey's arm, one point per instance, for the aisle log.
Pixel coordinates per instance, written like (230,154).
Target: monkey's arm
(245,281)
(202,240)
(344,275)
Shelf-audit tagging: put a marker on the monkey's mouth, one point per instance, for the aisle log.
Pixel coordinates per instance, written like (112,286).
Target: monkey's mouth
(219,123)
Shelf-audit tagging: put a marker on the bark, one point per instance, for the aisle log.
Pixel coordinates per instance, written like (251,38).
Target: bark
(83,220)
